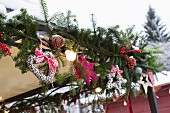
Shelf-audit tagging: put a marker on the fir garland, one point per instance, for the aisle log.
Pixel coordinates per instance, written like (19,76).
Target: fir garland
(104,47)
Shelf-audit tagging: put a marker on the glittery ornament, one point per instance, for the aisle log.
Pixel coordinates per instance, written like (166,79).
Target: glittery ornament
(115,79)
(48,56)
(57,41)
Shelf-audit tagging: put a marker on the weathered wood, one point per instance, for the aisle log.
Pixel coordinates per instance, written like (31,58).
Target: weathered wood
(152,101)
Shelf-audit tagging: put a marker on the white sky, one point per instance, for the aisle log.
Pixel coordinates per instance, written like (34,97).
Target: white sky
(107,12)
(112,12)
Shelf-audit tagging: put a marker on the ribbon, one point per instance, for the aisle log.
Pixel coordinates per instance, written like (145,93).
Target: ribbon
(150,74)
(151,77)
(116,70)
(128,101)
(40,57)
(43,42)
(135,51)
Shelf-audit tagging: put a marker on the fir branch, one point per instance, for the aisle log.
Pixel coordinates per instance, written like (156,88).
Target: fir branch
(44,9)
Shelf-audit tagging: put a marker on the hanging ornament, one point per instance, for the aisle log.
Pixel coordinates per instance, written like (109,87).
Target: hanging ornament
(84,68)
(144,81)
(115,79)
(57,41)
(138,70)
(39,57)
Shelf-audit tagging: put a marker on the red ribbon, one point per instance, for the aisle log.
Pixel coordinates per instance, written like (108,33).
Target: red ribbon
(151,77)
(40,57)
(135,51)
(5,48)
(129,104)
(116,71)
(43,42)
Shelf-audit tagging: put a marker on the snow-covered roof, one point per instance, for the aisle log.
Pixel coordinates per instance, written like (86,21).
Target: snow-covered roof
(30,12)
(162,78)
(2,9)
(17,4)
(33,7)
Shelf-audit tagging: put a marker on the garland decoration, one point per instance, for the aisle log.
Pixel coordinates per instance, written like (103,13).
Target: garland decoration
(144,81)
(84,69)
(39,57)
(57,41)
(115,79)
(111,46)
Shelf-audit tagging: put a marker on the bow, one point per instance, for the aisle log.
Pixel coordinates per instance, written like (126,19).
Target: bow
(116,70)
(40,57)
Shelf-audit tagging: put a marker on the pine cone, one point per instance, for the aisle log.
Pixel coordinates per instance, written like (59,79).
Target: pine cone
(57,41)
(131,63)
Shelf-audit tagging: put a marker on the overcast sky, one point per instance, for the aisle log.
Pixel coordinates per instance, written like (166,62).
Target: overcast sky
(107,12)
(112,12)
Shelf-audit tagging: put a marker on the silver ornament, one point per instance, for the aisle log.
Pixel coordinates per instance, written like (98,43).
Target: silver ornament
(138,70)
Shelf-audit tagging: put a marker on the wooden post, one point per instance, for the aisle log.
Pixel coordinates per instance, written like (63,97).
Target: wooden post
(152,101)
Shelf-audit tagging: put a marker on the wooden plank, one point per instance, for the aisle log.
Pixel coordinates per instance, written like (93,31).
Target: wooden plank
(152,101)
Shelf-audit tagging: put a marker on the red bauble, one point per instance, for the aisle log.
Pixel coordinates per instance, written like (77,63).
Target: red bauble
(57,41)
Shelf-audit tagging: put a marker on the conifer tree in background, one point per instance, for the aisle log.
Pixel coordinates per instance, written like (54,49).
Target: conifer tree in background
(154,28)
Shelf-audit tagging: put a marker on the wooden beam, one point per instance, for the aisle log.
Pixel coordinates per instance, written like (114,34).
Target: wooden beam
(152,101)
(35,91)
